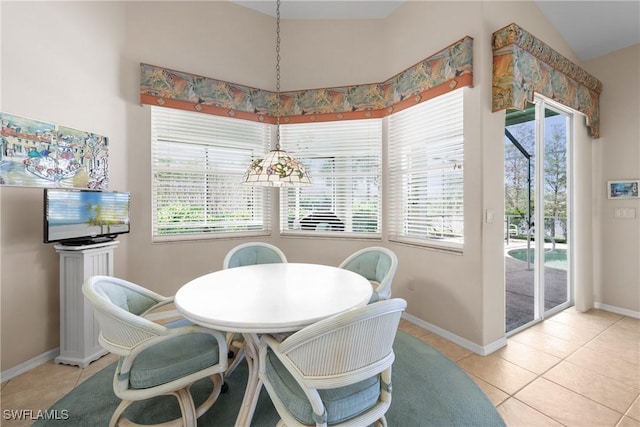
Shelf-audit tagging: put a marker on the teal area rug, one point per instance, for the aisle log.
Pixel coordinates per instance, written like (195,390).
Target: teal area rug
(428,390)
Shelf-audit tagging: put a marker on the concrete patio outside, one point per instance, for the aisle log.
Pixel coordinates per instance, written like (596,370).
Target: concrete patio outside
(519,282)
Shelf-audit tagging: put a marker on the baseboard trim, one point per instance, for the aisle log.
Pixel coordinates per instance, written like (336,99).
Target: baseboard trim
(29,364)
(463,342)
(617,310)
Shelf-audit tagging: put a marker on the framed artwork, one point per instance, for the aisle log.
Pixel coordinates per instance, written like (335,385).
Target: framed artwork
(623,189)
(35,153)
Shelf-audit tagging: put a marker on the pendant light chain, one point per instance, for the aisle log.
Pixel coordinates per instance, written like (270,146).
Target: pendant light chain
(278,74)
(277,168)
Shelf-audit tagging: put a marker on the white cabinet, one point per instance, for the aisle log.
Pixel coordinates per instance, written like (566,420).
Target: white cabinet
(78,328)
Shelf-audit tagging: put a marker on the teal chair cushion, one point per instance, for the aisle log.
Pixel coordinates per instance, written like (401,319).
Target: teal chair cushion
(340,403)
(173,359)
(254,255)
(128,299)
(179,323)
(372,265)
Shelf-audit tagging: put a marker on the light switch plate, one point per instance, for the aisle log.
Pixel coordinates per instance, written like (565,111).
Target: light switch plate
(489,216)
(624,213)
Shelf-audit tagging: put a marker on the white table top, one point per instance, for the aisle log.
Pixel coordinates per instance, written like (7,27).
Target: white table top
(271,298)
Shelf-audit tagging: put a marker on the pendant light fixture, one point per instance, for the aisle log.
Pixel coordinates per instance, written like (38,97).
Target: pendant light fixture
(277,168)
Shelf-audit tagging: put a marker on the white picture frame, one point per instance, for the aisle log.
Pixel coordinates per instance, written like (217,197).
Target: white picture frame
(623,189)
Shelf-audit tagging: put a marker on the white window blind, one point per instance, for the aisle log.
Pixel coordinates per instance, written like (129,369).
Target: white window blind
(344,161)
(198,161)
(426,177)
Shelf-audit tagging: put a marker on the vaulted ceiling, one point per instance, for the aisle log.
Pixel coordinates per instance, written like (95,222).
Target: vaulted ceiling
(591,28)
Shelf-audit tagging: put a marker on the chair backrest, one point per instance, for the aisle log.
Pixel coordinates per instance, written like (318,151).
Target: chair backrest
(346,348)
(119,306)
(253,253)
(376,264)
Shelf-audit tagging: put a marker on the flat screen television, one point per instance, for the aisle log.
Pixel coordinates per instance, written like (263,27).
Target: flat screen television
(77,217)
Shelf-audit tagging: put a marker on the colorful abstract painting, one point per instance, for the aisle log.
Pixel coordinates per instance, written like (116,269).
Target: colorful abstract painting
(35,153)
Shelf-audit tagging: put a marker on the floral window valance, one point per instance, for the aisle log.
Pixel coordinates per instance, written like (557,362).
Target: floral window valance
(522,65)
(448,69)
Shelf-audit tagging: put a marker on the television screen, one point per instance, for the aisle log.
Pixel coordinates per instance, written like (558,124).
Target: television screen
(77,217)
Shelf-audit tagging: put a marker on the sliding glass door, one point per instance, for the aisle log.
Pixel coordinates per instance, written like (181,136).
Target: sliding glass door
(538,213)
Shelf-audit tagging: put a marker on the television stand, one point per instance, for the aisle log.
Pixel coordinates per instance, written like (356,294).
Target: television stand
(78,328)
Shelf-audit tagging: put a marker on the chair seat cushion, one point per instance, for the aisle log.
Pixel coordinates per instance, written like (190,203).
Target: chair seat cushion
(340,403)
(179,323)
(173,359)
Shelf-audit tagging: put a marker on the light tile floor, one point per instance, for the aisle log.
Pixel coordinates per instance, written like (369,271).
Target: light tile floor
(573,369)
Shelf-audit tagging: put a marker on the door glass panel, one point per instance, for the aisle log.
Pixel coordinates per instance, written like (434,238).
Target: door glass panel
(519,213)
(556,226)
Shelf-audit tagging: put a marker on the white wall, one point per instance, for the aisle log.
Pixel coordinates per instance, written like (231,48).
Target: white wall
(90,80)
(617,154)
(61,62)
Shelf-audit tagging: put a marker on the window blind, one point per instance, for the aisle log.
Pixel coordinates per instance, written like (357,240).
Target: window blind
(198,161)
(426,147)
(344,161)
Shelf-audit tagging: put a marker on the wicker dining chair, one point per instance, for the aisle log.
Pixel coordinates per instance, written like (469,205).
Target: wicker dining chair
(335,372)
(376,264)
(250,253)
(253,253)
(155,359)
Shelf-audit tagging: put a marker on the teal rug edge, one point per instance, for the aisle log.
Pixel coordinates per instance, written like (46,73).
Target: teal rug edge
(447,396)
(428,390)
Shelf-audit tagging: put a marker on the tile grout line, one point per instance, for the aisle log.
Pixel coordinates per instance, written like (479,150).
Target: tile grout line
(564,359)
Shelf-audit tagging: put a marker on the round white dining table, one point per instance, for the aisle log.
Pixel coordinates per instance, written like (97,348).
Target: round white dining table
(268,298)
